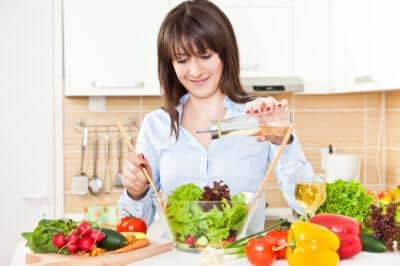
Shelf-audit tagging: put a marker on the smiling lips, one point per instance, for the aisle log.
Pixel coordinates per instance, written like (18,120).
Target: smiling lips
(199,82)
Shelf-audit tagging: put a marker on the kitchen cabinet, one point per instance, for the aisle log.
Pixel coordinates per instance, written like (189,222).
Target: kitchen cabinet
(312,44)
(385,46)
(264,30)
(110,46)
(351,67)
(333,45)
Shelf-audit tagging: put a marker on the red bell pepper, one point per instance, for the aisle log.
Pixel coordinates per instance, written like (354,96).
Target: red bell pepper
(347,229)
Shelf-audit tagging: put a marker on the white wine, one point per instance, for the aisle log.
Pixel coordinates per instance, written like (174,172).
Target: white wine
(310,196)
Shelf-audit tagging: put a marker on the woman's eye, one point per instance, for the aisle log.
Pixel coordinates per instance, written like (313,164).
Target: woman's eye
(205,56)
(182,60)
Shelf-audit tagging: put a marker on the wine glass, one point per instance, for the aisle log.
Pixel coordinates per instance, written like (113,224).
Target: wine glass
(310,192)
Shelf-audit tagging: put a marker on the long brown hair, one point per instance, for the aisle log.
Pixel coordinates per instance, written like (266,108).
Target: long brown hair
(200,25)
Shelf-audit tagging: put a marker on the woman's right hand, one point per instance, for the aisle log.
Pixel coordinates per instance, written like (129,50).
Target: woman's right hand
(133,177)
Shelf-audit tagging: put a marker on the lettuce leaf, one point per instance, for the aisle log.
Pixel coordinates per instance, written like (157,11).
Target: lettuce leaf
(347,198)
(186,192)
(40,239)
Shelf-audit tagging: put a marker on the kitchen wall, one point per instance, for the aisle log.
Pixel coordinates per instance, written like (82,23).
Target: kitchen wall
(350,122)
(393,138)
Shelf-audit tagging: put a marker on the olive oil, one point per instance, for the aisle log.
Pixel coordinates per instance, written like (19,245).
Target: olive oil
(310,196)
(243,126)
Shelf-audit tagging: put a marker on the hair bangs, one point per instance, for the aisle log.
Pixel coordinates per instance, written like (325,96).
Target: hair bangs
(188,39)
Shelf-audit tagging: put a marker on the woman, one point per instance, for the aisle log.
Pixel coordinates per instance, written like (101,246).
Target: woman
(198,68)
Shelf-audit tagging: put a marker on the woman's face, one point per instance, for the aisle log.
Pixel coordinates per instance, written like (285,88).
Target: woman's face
(199,74)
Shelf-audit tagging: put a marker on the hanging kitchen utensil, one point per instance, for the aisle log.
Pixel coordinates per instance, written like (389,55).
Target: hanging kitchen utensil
(118,176)
(79,183)
(95,183)
(107,146)
(253,202)
(131,138)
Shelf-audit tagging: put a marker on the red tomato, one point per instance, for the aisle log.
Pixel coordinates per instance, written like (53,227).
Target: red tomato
(279,238)
(131,224)
(259,251)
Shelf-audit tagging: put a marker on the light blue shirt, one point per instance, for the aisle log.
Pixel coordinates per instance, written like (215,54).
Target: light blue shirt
(240,161)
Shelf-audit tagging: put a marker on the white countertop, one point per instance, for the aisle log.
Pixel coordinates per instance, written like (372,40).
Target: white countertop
(177,257)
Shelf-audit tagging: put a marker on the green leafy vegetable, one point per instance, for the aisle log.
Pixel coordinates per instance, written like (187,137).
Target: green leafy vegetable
(40,239)
(347,198)
(188,217)
(186,192)
(397,215)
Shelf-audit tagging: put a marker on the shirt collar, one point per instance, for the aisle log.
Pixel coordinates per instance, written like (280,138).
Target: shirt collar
(228,103)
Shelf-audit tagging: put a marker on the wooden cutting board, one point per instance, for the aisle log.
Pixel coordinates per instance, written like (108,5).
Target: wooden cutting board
(107,259)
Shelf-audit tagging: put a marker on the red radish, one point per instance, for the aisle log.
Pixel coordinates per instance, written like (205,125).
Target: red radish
(87,233)
(73,237)
(97,235)
(83,228)
(231,238)
(58,240)
(73,248)
(190,240)
(86,243)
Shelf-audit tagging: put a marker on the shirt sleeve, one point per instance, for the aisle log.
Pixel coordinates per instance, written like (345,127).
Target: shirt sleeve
(145,207)
(291,162)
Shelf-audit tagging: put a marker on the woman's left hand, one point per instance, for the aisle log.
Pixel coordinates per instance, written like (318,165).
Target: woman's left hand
(265,105)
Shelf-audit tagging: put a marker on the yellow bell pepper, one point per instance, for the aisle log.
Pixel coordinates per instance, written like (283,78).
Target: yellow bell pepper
(312,244)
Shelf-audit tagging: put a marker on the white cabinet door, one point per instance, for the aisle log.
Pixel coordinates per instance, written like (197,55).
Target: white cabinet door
(350,45)
(264,32)
(333,45)
(112,43)
(312,44)
(385,43)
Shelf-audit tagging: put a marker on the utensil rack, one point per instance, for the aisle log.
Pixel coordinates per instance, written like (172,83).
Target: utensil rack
(131,126)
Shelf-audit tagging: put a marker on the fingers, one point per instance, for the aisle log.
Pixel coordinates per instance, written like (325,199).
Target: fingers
(283,104)
(133,177)
(265,105)
(261,138)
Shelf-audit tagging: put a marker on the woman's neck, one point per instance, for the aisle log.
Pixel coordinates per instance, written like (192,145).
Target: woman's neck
(210,107)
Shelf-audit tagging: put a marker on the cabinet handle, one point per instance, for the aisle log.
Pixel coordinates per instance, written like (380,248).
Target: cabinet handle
(248,67)
(36,197)
(364,79)
(102,84)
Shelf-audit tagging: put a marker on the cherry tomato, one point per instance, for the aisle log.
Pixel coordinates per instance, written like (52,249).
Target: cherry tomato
(131,224)
(279,238)
(259,251)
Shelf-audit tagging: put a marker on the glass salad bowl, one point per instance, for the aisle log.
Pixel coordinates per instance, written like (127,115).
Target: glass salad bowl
(198,224)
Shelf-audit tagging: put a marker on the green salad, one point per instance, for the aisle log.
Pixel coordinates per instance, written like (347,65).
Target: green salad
(205,217)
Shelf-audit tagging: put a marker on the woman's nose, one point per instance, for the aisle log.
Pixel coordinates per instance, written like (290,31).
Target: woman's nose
(194,68)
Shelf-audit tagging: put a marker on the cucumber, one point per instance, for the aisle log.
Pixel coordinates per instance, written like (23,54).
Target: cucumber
(113,240)
(371,244)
